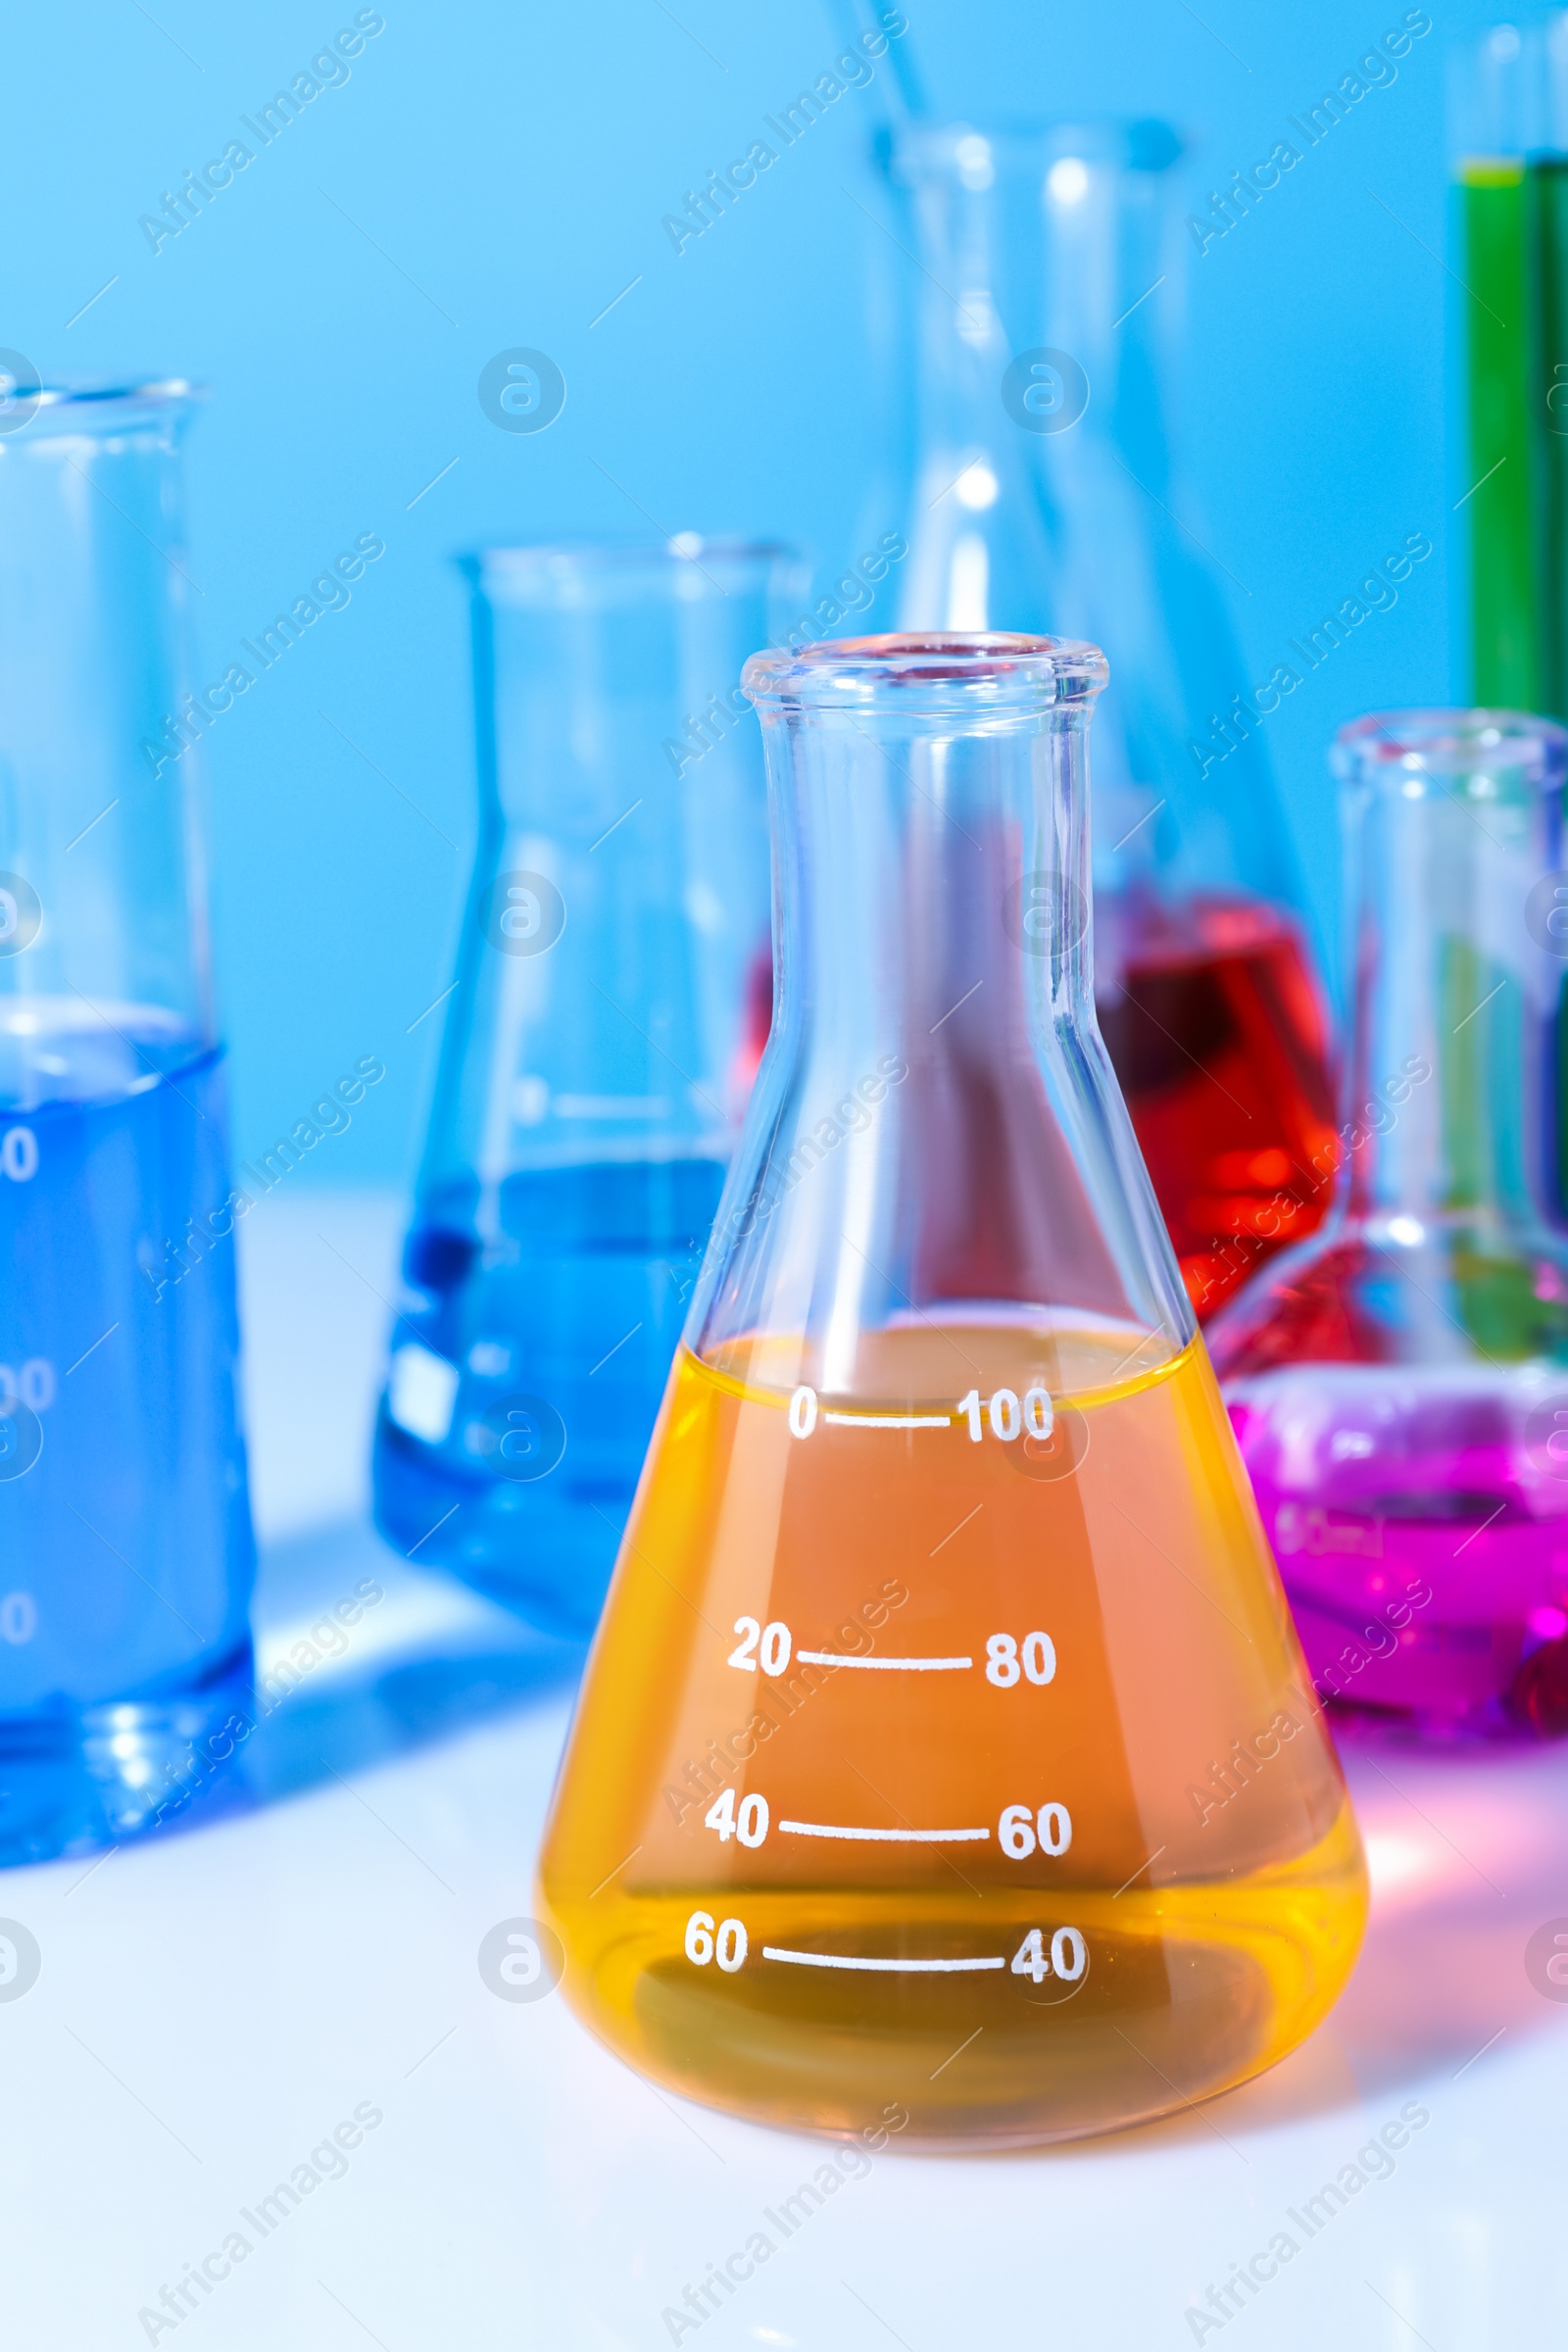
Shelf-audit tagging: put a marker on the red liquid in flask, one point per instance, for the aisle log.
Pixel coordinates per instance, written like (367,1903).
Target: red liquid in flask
(1217,1036)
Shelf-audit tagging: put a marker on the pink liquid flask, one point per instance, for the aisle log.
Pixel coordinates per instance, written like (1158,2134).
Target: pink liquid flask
(1399,1382)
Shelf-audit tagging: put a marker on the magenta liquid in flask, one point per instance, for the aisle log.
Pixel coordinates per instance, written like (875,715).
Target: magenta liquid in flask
(1399,1382)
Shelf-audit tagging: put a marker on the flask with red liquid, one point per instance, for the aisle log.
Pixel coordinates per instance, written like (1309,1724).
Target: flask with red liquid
(1040,498)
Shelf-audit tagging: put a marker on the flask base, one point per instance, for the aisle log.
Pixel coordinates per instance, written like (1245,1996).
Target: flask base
(544,1554)
(77,1779)
(1190,1989)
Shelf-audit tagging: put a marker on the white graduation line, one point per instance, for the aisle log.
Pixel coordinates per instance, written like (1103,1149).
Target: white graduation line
(890,1420)
(832,1657)
(772,1951)
(823,1829)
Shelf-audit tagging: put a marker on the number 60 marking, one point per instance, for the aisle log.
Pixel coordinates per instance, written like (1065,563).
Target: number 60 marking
(726,1944)
(1019,1827)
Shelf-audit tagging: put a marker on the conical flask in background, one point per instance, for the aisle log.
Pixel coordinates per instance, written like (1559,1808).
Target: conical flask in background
(1042,498)
(1399,1383)
(946,1738)
(611,1000)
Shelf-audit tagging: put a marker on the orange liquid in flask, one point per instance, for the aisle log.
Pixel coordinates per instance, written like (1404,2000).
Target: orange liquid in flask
(946,1742)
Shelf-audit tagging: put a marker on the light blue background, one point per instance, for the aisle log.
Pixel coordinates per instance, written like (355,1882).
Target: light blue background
(512,166)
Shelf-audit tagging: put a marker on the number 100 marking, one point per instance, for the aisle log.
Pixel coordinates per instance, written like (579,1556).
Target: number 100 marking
(1007,1418)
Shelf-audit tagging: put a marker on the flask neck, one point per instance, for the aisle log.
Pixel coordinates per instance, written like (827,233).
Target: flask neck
(935,1122)
(1050,247)
(1452,999)
(102,723)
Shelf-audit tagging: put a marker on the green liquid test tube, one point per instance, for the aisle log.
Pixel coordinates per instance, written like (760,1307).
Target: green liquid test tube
(1548,184)
(1504,649)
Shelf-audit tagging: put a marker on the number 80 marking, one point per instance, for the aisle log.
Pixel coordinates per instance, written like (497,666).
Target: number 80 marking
(1038,1652)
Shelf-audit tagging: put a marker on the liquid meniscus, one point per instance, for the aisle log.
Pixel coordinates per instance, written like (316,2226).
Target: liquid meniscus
(947,1742)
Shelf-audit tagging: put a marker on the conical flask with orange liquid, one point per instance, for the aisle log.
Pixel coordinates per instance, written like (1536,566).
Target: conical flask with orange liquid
(945,1741)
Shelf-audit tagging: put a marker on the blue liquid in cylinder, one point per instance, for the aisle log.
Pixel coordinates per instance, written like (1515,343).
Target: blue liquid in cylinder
(526,1376)
(126,1557)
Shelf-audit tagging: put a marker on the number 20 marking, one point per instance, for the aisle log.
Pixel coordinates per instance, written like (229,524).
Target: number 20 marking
(769,1643)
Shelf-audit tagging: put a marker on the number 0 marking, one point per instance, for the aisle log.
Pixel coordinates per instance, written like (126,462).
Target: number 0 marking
(19,1618)
(1006,1418)
(1039,1658)
(802,1411)
(729,1945)
(18,1153)
(1069,1954)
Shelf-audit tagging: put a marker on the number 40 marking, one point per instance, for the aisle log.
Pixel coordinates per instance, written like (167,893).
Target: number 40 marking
(1069,1956)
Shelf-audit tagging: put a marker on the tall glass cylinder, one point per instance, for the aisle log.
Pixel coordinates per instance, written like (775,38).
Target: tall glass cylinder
(126,1547)
(1399,1383)
(1509,122)
(1043,498)
(612,1000)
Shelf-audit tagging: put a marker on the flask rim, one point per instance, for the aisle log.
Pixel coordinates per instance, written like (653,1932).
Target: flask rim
(1014,144)
(1447,740)
(938,671)
(41,408)
(562,559)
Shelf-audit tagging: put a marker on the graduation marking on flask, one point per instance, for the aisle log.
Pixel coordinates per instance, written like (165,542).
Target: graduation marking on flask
(1008,1418)
(771,1647)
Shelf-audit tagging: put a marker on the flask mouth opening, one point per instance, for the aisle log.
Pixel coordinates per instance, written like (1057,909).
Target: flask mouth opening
(687,566)
(1393,746)
(975,153)
(951,671)
(35,409)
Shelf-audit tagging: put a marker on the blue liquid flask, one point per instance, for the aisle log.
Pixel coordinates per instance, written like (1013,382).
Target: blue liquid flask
(125,1550)
(613,998)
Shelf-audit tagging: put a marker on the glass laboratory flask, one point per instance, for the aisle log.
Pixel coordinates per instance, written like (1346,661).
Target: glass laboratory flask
(126,1548)
(1043,497)
(1399,1383)
(613,997)
(946,1738)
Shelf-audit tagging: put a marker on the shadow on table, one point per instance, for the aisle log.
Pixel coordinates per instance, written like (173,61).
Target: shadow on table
(1468,1851)
(424,1658)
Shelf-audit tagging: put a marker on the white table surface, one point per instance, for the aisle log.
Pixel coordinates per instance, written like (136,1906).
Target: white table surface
(212,2003)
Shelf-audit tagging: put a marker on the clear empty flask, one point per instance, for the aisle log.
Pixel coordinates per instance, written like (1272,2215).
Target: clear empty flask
(1042,496)
(1399,1383)
(125,1549)
(944,1621)
(612,1002)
